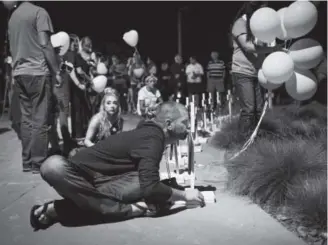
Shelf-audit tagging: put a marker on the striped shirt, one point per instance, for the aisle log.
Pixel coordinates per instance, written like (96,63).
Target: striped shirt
(215,69)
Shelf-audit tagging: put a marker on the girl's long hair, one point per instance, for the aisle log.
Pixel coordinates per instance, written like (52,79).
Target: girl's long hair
(105,123)
(248,9)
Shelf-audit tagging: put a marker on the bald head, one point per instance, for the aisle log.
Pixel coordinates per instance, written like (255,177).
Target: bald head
(170,111)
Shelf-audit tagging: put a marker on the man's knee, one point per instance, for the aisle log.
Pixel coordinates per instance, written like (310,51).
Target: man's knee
(53,168)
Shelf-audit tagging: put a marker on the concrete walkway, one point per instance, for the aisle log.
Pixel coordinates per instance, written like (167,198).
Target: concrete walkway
(231,221)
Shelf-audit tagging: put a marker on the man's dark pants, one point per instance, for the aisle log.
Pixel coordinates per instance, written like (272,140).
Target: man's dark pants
(35,106)
(86,192)
(250,97)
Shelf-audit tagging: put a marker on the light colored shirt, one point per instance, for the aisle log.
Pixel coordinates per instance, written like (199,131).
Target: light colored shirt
(192,70)
(242,62)
(150,98)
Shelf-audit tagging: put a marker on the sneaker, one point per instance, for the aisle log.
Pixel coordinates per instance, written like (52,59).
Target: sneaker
(27,167)
(35,169)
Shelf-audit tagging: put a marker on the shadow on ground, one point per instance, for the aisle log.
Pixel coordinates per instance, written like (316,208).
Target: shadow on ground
(4,130)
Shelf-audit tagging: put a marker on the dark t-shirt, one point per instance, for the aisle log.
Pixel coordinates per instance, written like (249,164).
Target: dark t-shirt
(24,25)
(163,84)
(138,150)
(80,62)
(177,69)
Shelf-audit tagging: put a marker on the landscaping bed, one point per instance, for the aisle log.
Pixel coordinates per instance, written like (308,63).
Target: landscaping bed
(285,169)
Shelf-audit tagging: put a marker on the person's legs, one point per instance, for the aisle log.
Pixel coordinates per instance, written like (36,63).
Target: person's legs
(211,89)
(247,98)
(63,105)
(102,195)
(259,100)
(26,124)
(41,97)
(15,112)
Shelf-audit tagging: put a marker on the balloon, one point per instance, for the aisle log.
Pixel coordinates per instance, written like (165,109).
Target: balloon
(283,33)
(265,24)
(300,18)
(306,53)
(278,67)
(131,38)
(302,85)
(99,83)
(60,40)
(138,72)
(265,83)
(102,69)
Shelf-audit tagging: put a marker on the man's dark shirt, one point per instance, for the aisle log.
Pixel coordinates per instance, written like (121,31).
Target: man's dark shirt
(163,84)
(138,150)
(177,69)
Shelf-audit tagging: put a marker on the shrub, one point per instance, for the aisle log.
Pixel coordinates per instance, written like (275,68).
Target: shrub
(284,122)
(269,169)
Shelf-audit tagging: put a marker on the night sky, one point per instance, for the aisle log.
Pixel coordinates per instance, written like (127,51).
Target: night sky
(205,25)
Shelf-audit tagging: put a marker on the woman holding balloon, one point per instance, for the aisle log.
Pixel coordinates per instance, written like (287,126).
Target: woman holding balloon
(248,56)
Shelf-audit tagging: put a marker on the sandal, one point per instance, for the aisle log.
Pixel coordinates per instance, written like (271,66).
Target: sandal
(34,219)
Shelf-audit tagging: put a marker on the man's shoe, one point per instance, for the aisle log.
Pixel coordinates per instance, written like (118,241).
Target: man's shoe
(27,167)
(35,169)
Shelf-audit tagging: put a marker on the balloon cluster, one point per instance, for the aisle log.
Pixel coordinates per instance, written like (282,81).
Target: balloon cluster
(291,68)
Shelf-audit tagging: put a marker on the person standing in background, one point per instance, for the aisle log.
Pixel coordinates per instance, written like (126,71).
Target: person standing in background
(177,83)
(215,79)
(247,58)
(34,63)
(119,75)
(195,73)
(137,73)
(164,78)
(151,67)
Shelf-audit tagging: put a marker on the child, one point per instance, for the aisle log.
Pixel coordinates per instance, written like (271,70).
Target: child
(149,97)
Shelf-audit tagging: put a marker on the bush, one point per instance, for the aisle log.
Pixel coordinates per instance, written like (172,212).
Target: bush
(284,122)
(286,166)
(271,172)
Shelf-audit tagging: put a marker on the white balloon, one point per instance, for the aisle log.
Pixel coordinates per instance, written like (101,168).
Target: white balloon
(138,72)
(265,24)
(302,85)
(306,53)
(283,33)
(102,69)
(99,83)
(60,40)
(300,18)
(131,38)
(265,83)
(278,67)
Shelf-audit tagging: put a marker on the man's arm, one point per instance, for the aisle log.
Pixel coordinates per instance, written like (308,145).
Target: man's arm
(149,152)
(44,28)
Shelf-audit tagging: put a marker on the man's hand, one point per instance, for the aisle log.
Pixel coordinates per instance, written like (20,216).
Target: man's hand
(177,76)
(59,80)
(194,197)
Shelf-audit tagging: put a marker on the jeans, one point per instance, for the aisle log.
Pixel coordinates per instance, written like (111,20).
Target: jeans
(35,105)
(85,191)
(251,101)
(80,112)
(62,100)
(15,112)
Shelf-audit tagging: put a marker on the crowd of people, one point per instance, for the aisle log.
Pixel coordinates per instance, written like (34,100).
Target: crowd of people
(101,170)
(137,87)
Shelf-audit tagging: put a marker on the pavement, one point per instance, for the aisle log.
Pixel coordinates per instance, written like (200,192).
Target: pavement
(231,220)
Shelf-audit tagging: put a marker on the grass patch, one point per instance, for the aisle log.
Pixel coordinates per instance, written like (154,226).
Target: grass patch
(286,166)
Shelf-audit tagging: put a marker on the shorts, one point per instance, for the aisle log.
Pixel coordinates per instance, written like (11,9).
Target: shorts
(194,88)
(215,85)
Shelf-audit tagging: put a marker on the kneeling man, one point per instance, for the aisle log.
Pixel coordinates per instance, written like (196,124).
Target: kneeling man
(118,175)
